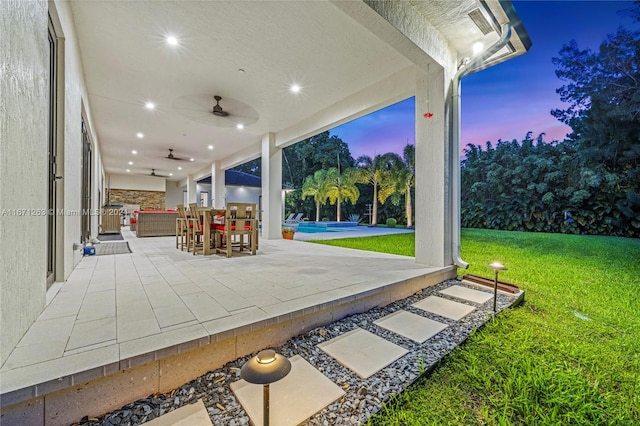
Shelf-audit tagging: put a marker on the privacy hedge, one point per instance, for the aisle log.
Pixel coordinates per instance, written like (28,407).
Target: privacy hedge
(549,187)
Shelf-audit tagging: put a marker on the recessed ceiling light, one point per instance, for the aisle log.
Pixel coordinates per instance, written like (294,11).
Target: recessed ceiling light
(140,135)
(179,168)
(239,126)
(150,105)
(295,88)
(128,170)
(191,159)
(134,152)
(131,163)
(172,41)
(170,174)
(210,146)
(477,47)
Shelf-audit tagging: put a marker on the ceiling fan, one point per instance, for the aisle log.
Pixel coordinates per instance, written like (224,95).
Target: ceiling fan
(154,174)
(222,112)
(217,109)
(173,157)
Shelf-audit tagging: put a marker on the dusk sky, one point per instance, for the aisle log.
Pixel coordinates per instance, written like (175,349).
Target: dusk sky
(510,99)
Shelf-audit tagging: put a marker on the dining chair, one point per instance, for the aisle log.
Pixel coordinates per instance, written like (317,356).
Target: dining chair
(240,220)
(182,227)
(195,229)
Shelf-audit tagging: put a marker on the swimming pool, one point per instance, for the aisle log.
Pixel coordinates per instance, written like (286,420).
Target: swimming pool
(314,230)
(315,227)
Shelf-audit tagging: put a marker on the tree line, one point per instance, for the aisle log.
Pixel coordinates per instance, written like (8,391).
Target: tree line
(329,184)
(350,185)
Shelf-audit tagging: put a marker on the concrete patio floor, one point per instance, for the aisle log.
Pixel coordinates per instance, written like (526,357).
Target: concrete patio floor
(116,312)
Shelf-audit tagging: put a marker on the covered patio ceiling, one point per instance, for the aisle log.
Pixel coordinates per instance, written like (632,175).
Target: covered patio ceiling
(250,54)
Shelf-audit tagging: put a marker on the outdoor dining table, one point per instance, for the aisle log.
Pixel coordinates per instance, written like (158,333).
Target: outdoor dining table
(213,216)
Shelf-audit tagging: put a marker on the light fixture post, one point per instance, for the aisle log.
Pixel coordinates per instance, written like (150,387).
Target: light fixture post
(263,369)
(496,266)
(265,404)
(495,289)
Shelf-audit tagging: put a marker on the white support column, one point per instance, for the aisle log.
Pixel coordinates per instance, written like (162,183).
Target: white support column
(271,188)
(432,171)
(191,190)
(217,186)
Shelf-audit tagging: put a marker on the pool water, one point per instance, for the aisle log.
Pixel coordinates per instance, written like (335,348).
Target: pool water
(315,227)
(314,230)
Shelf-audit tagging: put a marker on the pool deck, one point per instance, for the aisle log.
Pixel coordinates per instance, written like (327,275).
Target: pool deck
(153,319)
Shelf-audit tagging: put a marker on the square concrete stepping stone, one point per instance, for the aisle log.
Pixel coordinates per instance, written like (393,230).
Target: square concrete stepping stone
(362,352)
(465,293)
(301,394)
(189,415)
(410,325)
(444,307)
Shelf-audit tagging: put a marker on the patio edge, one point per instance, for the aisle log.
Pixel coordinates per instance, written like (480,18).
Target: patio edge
(104,388)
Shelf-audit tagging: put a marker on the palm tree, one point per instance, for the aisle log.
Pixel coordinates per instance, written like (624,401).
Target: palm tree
(378,172)
(316,186)
(341,187)
(407,179)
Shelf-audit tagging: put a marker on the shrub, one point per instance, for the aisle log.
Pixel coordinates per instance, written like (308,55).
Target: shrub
(391,222)
(325,219)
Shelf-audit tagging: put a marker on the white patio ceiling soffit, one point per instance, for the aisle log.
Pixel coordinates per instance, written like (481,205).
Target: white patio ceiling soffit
(347,63)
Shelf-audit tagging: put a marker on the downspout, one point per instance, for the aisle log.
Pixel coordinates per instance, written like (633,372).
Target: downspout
(455,139)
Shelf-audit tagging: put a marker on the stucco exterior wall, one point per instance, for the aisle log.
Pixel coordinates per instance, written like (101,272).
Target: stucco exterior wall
(24,69)
(24,111)
(174,195)
(75,105)
(240,194)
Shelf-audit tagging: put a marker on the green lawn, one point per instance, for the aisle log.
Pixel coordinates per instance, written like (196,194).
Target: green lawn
(537,364)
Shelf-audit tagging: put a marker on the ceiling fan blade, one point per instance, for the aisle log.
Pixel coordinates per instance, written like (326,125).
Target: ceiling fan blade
(154,174)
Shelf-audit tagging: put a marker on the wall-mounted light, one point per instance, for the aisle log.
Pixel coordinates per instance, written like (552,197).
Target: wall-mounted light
(263,369)
(497,267)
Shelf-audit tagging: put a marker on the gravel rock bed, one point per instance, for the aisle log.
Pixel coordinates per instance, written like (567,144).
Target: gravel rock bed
(363,397)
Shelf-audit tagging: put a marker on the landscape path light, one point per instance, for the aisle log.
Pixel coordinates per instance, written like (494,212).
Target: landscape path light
(263,369)
(497,267)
